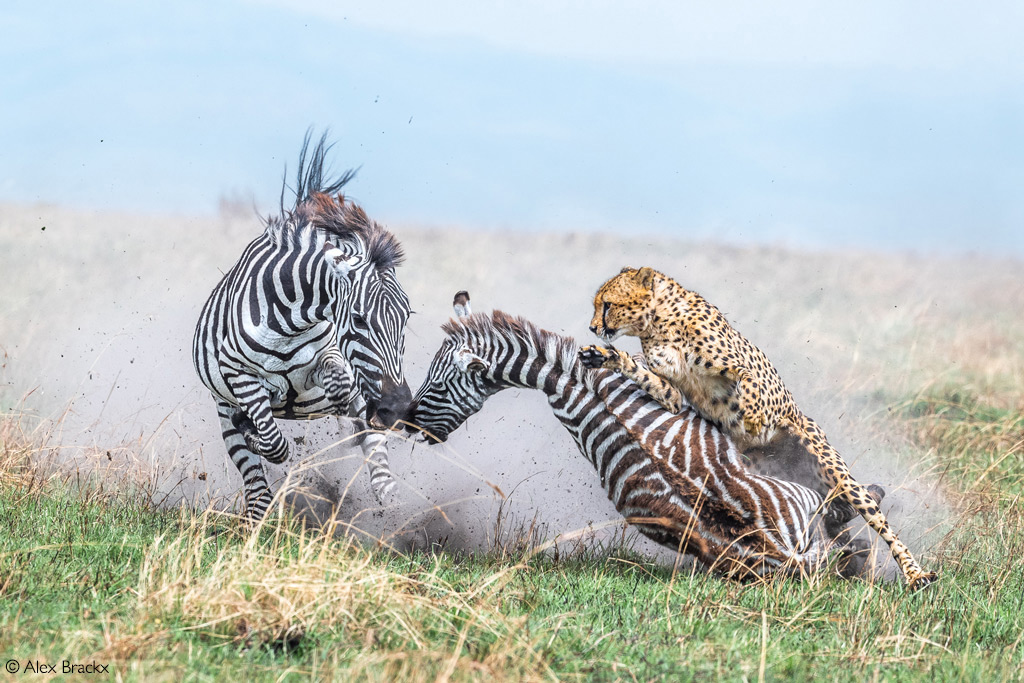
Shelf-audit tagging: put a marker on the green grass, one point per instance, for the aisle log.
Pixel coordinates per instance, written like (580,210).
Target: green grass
(179,594)
(980,437)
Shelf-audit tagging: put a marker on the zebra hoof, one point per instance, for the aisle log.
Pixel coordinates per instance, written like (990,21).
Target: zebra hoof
(385,495)
(876,492)
(853,557)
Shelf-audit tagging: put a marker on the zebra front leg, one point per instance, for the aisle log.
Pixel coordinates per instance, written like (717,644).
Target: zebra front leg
(374,445)
(334,375)
(257,426)
(254,480)
(375,453)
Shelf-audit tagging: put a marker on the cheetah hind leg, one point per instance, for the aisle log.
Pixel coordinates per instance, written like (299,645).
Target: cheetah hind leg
(844,486)
(838,512)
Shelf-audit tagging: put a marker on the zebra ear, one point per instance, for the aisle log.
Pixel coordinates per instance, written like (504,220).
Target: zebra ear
(338,261)
(467,361)
(461,305)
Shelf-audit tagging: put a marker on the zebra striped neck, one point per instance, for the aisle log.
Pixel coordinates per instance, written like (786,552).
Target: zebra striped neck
(518,353)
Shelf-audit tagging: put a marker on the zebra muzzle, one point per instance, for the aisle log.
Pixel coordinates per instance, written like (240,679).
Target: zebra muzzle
(393,406)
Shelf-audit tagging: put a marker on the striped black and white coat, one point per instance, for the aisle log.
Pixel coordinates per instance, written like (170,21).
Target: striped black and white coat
(309,322)
(676,477)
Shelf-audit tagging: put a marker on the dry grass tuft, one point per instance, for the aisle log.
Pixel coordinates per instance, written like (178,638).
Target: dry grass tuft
(309,596)
(18,469)
(285,587)
(31,462)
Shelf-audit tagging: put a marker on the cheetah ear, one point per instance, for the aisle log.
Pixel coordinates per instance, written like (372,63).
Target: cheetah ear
(627,269)
(467,361)
(645,277)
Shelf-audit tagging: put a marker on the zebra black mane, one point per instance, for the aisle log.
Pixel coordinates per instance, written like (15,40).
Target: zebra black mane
(555,347)
(309,178)
(320,205)
(383,248)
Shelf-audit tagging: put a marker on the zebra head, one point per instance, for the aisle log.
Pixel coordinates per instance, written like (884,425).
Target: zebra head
(458,381)
(371,311)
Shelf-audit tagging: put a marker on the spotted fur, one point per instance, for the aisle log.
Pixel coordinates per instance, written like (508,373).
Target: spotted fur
(695,357)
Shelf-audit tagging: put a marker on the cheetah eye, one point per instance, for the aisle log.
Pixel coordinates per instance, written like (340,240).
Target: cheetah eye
(606,307)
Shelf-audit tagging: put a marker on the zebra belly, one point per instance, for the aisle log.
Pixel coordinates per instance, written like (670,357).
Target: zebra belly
(290,354)
(308,404)
(286,372)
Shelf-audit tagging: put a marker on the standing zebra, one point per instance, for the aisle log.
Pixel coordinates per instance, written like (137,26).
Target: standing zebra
(675,476)
(309,322)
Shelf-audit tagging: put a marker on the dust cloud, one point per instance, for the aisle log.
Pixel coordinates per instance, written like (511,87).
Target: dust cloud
(99,309)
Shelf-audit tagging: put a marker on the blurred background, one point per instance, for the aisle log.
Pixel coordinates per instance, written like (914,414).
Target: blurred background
(869,124)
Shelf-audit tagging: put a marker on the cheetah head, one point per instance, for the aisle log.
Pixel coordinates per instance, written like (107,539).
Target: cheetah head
(624,304)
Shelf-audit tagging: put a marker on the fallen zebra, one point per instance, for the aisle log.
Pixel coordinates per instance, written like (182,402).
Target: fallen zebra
(676,477)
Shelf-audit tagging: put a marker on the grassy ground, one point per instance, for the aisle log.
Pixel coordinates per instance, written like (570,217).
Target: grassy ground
(87,576)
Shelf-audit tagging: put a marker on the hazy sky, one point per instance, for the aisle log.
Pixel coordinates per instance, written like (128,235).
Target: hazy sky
(871,124)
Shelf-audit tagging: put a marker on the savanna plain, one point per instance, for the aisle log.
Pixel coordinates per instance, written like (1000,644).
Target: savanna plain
(501,558)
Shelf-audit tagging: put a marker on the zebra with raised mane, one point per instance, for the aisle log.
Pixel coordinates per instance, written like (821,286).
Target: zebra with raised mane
(676,477)
(309,322)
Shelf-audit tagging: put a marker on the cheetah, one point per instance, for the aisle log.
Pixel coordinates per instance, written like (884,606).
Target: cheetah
(694,356)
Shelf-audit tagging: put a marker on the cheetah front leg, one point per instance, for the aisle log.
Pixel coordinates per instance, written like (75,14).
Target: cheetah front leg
(748,400)
(836,475)
(656,386)
(755,410)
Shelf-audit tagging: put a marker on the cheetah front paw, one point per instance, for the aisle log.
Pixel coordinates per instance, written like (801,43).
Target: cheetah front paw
(752,425)
(593,356)
(599,357)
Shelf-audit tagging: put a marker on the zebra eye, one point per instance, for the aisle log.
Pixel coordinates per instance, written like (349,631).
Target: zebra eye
(360,320)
